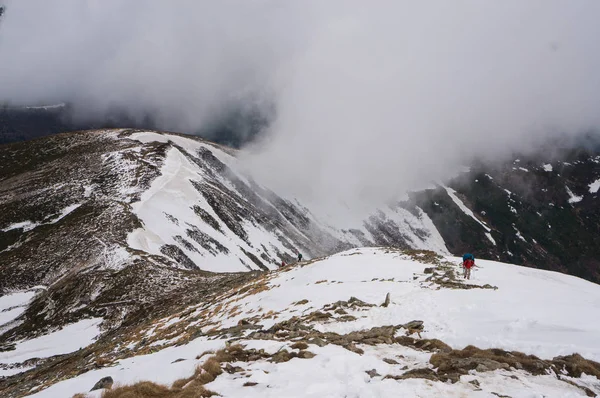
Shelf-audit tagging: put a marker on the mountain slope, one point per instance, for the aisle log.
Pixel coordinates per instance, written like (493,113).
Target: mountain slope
(109,217)
(318,329)
(540,211)
(104,223)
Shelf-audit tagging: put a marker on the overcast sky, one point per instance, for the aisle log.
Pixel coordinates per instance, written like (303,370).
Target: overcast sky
(371,98)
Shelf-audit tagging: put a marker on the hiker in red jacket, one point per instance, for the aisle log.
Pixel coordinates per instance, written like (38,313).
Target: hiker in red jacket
(468,263)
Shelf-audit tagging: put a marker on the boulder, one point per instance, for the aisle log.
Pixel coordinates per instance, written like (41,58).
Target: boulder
(105,382)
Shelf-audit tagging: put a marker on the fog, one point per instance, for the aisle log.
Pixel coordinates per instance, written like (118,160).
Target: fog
(366,100)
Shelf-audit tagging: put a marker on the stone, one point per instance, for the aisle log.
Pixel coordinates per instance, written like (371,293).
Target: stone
(306,354)
(518,365)
(372,373)
(387,300)
(413,325)
(281,356)
(105,382)
(482,368)
(390,361)
(317,341)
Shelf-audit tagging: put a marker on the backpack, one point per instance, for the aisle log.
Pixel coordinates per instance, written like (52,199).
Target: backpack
(468,256)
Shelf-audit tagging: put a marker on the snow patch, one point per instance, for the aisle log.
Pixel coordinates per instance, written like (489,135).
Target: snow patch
(594,186)
(12,306)
(465,209)
(27,226)
(572,197)
(69,339)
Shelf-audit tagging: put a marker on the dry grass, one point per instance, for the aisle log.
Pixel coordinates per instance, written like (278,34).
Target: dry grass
(212,366)
(299,345)
(205,353)
(79,396)
(101,362)
(147,389)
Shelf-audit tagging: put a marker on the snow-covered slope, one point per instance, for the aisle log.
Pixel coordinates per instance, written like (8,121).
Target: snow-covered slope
(204,211)
(359,346)
(86,214)
(121,226)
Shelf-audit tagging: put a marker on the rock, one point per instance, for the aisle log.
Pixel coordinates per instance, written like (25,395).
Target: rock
(483,364)
(390,361)
(300,345)
(422,373)
(178,360)
(372,373)
(306,354)
(413,325)
(482,368)
(250,384)
(281,356)
(353,348)
(428,270)
(317,341)
(518,365)
(387,300)
(229,368)
(475,382)
(105,382)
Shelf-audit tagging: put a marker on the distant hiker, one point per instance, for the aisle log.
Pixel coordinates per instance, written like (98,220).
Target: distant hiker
(468,263)
(282,264)
(299,256)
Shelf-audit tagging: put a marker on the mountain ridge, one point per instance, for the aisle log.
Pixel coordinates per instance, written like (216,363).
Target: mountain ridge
(434,334)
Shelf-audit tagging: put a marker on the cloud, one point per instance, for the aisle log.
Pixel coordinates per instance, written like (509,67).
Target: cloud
(182,62)
(386,99)
(370,99)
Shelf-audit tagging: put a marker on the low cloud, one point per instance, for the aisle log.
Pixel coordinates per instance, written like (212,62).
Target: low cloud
(366,101)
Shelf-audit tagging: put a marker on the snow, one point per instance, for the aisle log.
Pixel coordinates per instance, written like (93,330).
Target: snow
(594,186)
(30,225)
(490,238)
(528,312)
(65,212)
(166,211)
(12,305)
(533,311)
(25,225)
(572,197)
(547,167)
(70,338)
(523,169)
(173,194)
(158,366)
(468,212)
(452,193)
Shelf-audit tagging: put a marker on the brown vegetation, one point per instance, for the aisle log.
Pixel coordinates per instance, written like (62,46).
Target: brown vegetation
(147,389)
